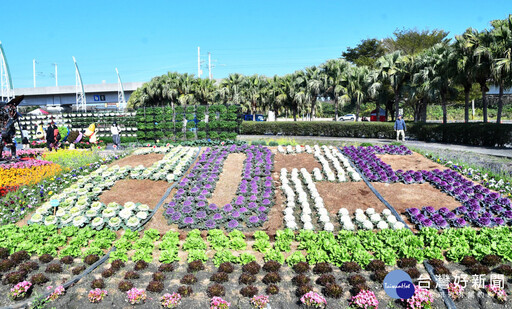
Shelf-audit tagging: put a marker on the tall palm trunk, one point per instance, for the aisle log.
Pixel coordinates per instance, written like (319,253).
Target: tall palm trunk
(484,89)
(294,114)
(357,110)
(467,89)
(443,103)
(500,104)
(253,106)
(313,105)
(335,108)
(397,104)
(423,112)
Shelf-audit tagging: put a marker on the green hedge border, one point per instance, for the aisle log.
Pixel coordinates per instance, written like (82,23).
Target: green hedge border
(475,134)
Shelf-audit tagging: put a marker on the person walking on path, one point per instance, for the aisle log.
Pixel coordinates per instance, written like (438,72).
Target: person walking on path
(400,128)
(50,138)
(114,129)
(24,140)
(56,137)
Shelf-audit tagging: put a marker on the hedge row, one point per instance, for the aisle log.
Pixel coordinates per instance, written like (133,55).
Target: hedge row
(476,134)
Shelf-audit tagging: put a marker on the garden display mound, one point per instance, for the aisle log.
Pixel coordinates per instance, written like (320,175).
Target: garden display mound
(144,191)
(415,162)
(298,161)
(229,180)
(349,195)
(146,160)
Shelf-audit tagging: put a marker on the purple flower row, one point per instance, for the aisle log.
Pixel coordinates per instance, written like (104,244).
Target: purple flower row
(370,165)
(190,209)
(390,149)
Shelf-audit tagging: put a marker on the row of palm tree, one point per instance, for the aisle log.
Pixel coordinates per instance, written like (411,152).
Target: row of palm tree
(416,80)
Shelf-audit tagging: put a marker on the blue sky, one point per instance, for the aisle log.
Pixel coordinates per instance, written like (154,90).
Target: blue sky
(144,39)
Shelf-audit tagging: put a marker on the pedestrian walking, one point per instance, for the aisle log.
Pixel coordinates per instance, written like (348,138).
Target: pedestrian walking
(50,138)
(114,129)
(400,128)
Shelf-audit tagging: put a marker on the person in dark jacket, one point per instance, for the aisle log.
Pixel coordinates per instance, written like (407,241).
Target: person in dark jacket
(50,137)
(400,128)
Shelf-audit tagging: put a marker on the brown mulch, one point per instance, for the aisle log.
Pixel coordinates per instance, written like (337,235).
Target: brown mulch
(349,195)
(290,161)
(414,162)
(134,190)
(229,180)
(146,160)
(275,216)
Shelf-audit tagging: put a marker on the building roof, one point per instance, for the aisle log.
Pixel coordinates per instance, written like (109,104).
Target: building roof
(72,89)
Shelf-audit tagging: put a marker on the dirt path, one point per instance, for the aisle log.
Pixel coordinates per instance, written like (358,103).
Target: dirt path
(415,162)
(146,160)
(229,180)
(349,195)
(290,161)
(134,190)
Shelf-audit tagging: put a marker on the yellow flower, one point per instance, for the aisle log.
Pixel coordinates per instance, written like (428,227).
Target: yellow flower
(50,193)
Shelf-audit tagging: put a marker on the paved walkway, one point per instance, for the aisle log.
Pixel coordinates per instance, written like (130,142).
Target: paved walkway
(499,152)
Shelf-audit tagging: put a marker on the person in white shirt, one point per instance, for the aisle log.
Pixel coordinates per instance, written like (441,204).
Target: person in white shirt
(25,135)
(115,134)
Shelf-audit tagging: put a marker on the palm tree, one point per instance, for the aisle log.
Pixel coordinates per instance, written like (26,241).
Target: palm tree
(314,86)
(482,42)
(464,56)
(357,86)
(335,71)
(501,49)
(395,68)
(231,87)
(252,88)
(204,90)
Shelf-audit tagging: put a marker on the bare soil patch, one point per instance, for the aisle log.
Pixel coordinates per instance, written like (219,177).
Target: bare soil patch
(349,195)
(146,160)
(290,161)
(414,162)
(134,190)
(229,180)
(275,216)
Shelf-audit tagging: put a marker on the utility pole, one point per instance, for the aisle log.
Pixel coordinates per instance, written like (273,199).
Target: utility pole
(198,62)
(210,65)
(34,71)
(56,78)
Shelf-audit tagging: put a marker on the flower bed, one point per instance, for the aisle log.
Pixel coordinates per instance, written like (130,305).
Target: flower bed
(190,209)
(27,172)
(368,220)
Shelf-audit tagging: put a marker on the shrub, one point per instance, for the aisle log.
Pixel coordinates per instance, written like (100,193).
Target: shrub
(406,262)
(303,289)
(195,266)
(301,267)
(140,265)
(215,290)
(220,277)
(68,260)
(375,265)
(28,266)
(46,258)
(166,267)
(15,277)
(491,260)
(350,267)
(379,275)
(436,262)
(246,278)
(358,288)
(479,269)
(155,286)
(249,291)
(504,269)
(124,286)
(252,268)
(441,270)
(414,273)
(300,280)
(131,275)
(272,277)
(333,291)
(97,284)
(271,266)
(107,273)
(188,279)
(272,289)
(6,265)
(117,264)
(20,256)
(468,261)
(185,291)
(78,270)
(4,253)
(356,279)
(159,276)
(55,268)
(322,268)
(91,259)
(226,268)
(325,279)
(39,279)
